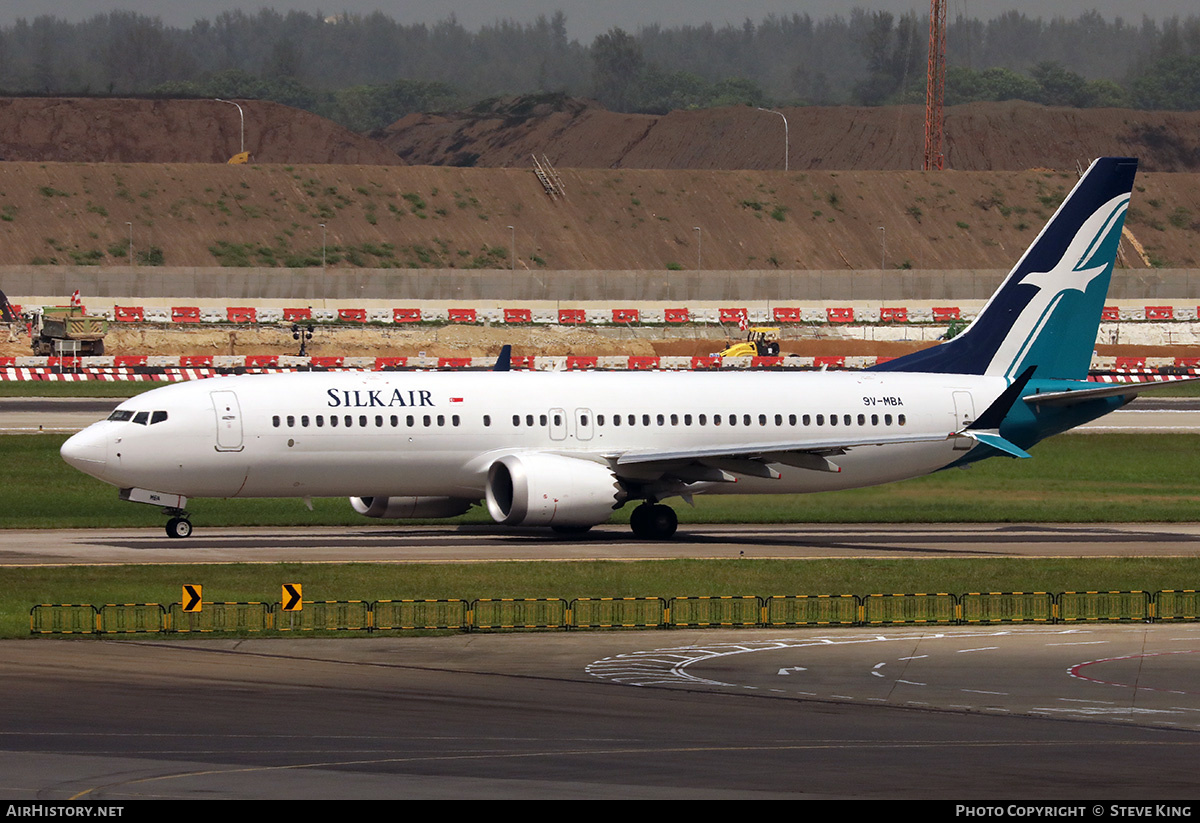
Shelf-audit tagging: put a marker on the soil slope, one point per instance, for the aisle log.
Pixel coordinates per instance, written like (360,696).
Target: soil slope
(436,217)
(115,130)
(980,136)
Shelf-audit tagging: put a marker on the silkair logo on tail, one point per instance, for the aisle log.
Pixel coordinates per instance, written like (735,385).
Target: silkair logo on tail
(1047,311)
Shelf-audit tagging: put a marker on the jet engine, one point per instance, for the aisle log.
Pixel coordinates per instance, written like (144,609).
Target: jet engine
(403,508)
(551,490)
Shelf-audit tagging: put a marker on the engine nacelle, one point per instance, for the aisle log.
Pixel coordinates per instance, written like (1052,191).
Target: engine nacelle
(403,508)
(551,490)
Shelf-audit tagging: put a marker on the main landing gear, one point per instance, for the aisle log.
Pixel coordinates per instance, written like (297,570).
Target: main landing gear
(654,521)
(179,525)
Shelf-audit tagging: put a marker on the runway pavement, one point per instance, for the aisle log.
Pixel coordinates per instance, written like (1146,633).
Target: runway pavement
(1035,713)
(466,544)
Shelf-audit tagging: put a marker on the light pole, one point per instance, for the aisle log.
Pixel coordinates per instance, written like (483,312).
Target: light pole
(785,134)
(241,115)
(513,249)
(324,286)
(883,250)
(699,239)
(130,227)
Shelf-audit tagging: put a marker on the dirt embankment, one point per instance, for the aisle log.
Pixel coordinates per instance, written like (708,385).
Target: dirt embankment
(577,133)
(116,130)
(1012,136)
(655,220)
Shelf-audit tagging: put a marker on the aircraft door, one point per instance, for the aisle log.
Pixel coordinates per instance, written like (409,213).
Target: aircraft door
(964,416)
(558,424)
(583,424)
(229,421)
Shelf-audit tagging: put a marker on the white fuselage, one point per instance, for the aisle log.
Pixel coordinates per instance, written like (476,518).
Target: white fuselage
(437,433)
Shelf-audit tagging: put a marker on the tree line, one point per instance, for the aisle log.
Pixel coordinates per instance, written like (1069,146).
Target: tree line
(367,71)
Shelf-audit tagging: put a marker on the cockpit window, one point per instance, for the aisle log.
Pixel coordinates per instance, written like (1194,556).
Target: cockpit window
(121,415)
(141,417)
(157,417)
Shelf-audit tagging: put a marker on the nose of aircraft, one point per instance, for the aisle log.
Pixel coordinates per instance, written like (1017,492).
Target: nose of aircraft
(86,451)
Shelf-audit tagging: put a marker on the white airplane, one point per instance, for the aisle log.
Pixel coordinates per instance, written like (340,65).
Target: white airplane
(567,449)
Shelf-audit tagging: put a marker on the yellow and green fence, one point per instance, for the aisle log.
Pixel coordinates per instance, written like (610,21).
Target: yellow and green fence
(552,613)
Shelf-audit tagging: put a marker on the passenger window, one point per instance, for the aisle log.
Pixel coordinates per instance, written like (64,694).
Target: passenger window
(632,420)
(820,420)
(362,420)
(541,419)
(291,421)
(516,420)
(716,419)
(874,420)
(395,421)
(616,420)
(441,419)
(702,419)
(487,420)
(583,420)
(762,420)
(660,420)
(157,417)
(349,421)
(887,420)
(791,419)
(779,420)
(304,420)
(846,419)
(529,420)
(320,420)
(745,420)
(274,419)
(806,420)
(901,420)
(427,421)
(645,420)
(379,421)
(410,422)
(333,420)
(862,420)
(454,420)
(833,419)
(733,419)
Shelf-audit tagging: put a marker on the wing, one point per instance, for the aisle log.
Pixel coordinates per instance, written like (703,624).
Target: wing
(754,459)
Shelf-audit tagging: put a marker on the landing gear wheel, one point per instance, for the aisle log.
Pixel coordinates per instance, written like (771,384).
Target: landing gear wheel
(654,521)
(179,527)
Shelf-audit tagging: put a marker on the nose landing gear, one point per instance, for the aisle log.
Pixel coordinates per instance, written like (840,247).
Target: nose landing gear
(179,525)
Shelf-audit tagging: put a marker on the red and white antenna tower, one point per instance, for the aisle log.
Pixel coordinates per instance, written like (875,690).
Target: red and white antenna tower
(935,86)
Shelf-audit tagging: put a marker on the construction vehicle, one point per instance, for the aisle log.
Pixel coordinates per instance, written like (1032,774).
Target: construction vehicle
(762,341)
(67,330)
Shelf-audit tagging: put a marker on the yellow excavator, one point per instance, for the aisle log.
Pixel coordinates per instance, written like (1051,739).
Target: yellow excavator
(761,341)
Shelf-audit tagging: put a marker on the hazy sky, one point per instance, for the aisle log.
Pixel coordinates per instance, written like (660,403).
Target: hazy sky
(587,18)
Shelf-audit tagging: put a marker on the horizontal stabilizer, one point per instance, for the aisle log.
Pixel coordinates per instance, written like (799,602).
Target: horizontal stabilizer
(993,439)
(1075,396)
